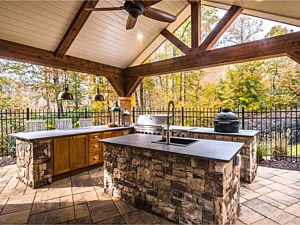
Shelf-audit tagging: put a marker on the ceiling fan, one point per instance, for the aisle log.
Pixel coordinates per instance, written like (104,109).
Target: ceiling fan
(135,8)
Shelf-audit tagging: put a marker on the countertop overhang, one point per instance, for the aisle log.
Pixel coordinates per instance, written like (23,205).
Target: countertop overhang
(37,135)
(206,149)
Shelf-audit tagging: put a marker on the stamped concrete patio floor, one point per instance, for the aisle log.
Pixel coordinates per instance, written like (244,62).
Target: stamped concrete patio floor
(273,198)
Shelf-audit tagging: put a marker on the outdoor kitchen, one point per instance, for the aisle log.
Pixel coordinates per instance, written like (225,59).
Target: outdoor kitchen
(184,174)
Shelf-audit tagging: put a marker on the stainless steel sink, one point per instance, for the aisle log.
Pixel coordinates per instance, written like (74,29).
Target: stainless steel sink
(177,141)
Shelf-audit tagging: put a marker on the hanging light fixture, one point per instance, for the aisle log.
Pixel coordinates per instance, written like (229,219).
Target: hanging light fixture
(65,95)
(98,97)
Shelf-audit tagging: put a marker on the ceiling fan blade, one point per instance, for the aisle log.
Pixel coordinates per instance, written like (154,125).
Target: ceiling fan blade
(157,14)
(130,22)
(149,3)
(105,9)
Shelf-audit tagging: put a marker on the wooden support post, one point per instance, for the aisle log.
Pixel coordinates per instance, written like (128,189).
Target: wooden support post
(196,23)
(125,102)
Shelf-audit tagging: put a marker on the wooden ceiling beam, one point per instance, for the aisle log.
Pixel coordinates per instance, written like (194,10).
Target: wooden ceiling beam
(195,23)
(295,56)
(23,53)
(175,41)
(256,50)
(75,27)
(220,28)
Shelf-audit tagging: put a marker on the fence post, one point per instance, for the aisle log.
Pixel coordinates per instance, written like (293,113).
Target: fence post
(133,114)
(243,118)
(220,110)
(58,113)
(27,113)
(85,112)
(182,116)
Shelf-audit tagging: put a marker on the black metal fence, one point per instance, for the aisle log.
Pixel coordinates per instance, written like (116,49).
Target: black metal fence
(15,121)
(279,129)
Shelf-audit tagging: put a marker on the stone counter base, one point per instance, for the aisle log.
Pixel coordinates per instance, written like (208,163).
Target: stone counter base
(181,188)
(248,152)
(34,161)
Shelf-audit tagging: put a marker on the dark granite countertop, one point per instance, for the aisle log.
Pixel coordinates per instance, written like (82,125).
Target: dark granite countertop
(207,149)
(206,130)
(61,133)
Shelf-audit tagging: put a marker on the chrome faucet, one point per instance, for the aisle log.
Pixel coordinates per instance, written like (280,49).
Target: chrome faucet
(168,132)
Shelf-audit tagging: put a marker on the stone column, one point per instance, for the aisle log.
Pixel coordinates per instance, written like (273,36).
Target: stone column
(35,162)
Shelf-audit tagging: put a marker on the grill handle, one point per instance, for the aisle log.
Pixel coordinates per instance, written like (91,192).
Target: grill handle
(224,122)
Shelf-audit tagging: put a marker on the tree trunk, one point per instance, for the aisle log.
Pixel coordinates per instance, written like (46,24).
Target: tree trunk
(181,87)
(56,81)
(142,96)
(137,99)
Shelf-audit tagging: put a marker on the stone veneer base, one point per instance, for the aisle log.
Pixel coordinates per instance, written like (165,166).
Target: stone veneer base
(34,161)
(248,152)
(181,188)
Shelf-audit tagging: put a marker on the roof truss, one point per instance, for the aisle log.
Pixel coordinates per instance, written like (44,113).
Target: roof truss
(262,49)
(126,80)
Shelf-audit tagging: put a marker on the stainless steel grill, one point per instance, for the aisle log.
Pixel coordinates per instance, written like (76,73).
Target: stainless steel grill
(151,124)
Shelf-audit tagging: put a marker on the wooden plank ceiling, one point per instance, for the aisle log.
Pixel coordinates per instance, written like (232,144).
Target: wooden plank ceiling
(65,35)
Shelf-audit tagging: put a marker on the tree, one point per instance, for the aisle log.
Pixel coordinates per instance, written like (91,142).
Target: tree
(278,30)
(244,29)
(243,86)
(25,85)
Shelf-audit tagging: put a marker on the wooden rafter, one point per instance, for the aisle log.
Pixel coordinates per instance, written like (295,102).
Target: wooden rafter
(220,28)
(175,41)
(195,23)
(23,53)
(295,56)
(262,49)
(75,27)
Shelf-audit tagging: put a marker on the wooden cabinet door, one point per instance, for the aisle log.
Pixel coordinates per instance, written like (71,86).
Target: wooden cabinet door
(61,156)
(78,151)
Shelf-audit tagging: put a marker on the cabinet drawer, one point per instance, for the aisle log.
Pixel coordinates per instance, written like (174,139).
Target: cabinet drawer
(95,146)
(106,135)
(95,158)
(117,133)
(95,136)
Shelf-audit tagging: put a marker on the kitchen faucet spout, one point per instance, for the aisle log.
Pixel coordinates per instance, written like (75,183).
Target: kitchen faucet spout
(168,132)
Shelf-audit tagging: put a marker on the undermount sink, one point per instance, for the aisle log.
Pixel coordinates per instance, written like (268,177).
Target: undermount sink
(177,141)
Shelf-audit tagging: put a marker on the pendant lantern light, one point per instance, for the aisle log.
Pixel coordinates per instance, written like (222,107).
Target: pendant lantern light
(98,97)
(65,95)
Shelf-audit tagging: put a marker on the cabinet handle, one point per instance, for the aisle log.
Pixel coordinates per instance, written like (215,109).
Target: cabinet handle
(95,136)
(95,146)
(95,158)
